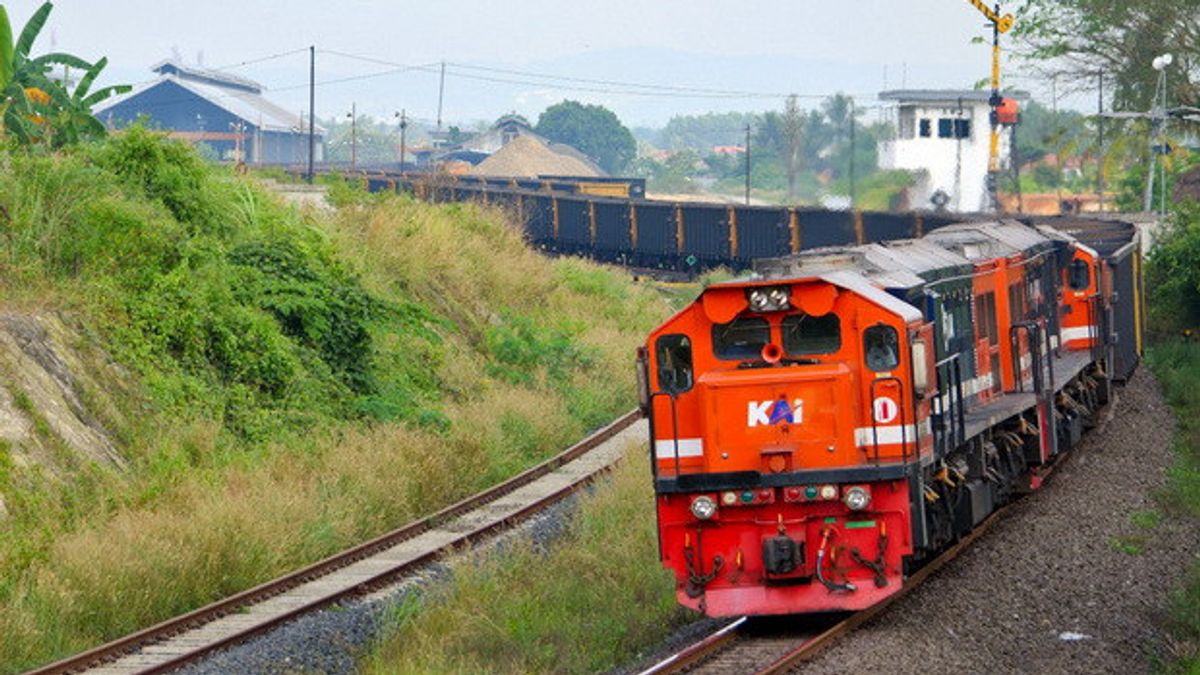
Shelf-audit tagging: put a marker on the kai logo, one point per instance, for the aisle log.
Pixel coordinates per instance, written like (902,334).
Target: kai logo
(775,411)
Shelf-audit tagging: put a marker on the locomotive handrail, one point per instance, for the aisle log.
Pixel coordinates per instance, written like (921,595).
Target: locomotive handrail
(900,414)
(1033,336)
(674,433)
(949,371)
(1050,354)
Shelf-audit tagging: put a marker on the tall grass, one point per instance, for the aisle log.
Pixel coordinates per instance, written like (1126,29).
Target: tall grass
(1177,367)
(293,383)
(586,604)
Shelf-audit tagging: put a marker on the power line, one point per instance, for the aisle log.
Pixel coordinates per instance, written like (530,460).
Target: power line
(605,86)
(619,83)
(598,90)
(261,59)
(366,76)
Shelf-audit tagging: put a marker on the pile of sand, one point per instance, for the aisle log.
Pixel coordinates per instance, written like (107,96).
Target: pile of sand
(529,157)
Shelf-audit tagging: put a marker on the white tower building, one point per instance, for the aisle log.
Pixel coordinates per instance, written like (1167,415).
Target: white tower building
(942,134)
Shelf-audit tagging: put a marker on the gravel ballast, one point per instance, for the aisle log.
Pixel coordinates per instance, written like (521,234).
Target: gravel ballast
(332,640)
(1065,582)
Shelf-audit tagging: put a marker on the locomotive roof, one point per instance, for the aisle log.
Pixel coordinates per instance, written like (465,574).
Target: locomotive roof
(982,241)
(906,264)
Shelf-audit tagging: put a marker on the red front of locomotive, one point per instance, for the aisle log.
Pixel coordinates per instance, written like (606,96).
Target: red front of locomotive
(784,424)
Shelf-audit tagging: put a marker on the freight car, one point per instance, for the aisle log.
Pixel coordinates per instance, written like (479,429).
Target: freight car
(562,217)
(822,428)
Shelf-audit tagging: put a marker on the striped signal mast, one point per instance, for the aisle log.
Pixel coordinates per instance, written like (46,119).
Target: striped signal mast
(1001,23)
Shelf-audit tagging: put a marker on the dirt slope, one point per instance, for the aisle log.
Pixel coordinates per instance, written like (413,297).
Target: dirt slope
(51,398)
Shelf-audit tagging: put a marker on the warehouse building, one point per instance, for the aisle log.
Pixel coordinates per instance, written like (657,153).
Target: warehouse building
(221,112)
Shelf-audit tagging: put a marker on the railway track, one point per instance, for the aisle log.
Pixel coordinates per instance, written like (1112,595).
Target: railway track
(364,568)
(771,646)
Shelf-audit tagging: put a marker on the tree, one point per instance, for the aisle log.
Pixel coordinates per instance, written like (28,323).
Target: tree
(34,106)
(703,132)
(1077,39)
(591,129)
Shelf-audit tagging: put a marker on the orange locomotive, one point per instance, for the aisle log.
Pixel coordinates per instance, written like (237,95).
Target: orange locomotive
(823,427)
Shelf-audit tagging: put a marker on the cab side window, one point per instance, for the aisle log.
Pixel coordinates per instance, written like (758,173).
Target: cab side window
(1079,276)
(741,338)
(881,347)
(674,356)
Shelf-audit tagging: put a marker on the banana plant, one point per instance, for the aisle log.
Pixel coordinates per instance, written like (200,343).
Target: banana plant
(6,50)
(75,119)
(6,65)
(34,106)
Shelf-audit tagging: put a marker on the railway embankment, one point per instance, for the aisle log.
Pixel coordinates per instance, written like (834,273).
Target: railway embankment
(205,387)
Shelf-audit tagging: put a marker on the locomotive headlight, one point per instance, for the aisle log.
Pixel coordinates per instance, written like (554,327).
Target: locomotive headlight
(856,498)
(778,297)
(759,300)
(703,507)
(768,299)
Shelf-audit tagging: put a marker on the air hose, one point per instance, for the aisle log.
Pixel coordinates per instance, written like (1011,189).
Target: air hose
(831,585)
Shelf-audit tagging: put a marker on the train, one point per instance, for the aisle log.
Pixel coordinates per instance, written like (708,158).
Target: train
(823,427)
(560,215)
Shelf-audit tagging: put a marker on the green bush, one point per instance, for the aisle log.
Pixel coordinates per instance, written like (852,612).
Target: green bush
(315,302)
(1173,272)
(520,349)
(172,173)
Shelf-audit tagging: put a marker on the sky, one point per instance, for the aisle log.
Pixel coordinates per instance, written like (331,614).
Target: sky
(646,60)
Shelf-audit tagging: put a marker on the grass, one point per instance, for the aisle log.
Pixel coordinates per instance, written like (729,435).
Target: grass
(584,605)
(1129,544)
(1177,367)
(289,383)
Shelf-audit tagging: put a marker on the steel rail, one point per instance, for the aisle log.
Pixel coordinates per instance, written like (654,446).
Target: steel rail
(134,642)
(698,651)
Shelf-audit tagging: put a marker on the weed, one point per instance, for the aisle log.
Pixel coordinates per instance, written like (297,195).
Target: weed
(1128,544)
(22,402)
(1177,367)
(1146,520)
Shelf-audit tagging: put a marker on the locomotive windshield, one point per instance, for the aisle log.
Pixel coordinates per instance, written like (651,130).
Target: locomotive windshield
(804,334)
(741,338)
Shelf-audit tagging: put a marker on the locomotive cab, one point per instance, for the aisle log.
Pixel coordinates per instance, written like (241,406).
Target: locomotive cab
(784,414)
(1083,313)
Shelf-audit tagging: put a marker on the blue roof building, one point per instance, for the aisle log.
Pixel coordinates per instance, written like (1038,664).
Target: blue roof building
(225,112)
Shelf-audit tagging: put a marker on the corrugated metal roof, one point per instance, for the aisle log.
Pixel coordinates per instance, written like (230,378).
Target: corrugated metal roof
(250,107)
(173,67)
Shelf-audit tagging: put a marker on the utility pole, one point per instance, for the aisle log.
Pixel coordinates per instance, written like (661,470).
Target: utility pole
(1057,141)
(312,104)
(1100,142)
(747,165)
(353,136)
(441,93)
(403,115)
(853,186)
